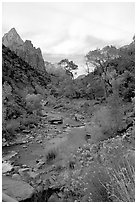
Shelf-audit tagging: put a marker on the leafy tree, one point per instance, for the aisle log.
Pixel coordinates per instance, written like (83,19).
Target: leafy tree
(100,59)
(127,86)
(124,67)
(69,66)
(126,61)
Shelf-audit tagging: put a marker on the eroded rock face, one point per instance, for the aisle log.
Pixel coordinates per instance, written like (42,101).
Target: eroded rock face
(24,50)
(12,39)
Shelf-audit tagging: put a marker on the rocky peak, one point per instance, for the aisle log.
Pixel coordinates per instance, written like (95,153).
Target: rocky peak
(39,50)
(12,39)
(28,43)
(24,50)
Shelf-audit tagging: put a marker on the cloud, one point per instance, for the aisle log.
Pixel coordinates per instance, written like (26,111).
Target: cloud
(70,27)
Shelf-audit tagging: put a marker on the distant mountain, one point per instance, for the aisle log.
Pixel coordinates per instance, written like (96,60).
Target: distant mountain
(25,50)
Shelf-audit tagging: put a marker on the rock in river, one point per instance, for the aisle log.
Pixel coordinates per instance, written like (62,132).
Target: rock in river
(55,120)
(6,167)
(18,190)
(16,177)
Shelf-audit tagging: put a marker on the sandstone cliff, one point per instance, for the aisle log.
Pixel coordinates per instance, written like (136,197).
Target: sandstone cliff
(24,50)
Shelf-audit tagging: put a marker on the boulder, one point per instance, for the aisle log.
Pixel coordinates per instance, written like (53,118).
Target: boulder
(18,190)
(10,155)
(40,163)
(26,131)
(24,173)
(6,198)
(55,120)
(6,167)
(53,198)
(24,146)
(16,177)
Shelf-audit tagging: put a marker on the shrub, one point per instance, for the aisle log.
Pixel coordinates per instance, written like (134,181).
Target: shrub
(27,90)
(6,94)
(11,127)
(127,86)
(110,117)
(105,122)
(33,103)
(96,178)
(84,184)
(28,120)
(51,100)
(51,155)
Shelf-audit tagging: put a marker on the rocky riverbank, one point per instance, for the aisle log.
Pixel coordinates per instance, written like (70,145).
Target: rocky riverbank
(53,160)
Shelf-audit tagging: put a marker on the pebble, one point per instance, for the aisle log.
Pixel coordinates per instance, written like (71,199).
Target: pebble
(23,170)
(40,141)
(3,140)
(31,137)
(40,165)
(24,165)
(26,131)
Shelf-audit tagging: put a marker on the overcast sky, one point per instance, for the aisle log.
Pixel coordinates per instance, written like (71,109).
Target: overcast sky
(67,28)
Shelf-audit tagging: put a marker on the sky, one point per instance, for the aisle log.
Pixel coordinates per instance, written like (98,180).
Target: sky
(70,28)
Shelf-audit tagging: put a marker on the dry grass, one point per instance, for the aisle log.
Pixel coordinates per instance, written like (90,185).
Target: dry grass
(109,176)
(122,185)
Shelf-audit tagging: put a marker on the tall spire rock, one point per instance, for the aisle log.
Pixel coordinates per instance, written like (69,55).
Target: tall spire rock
(12,39)
(24,50)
